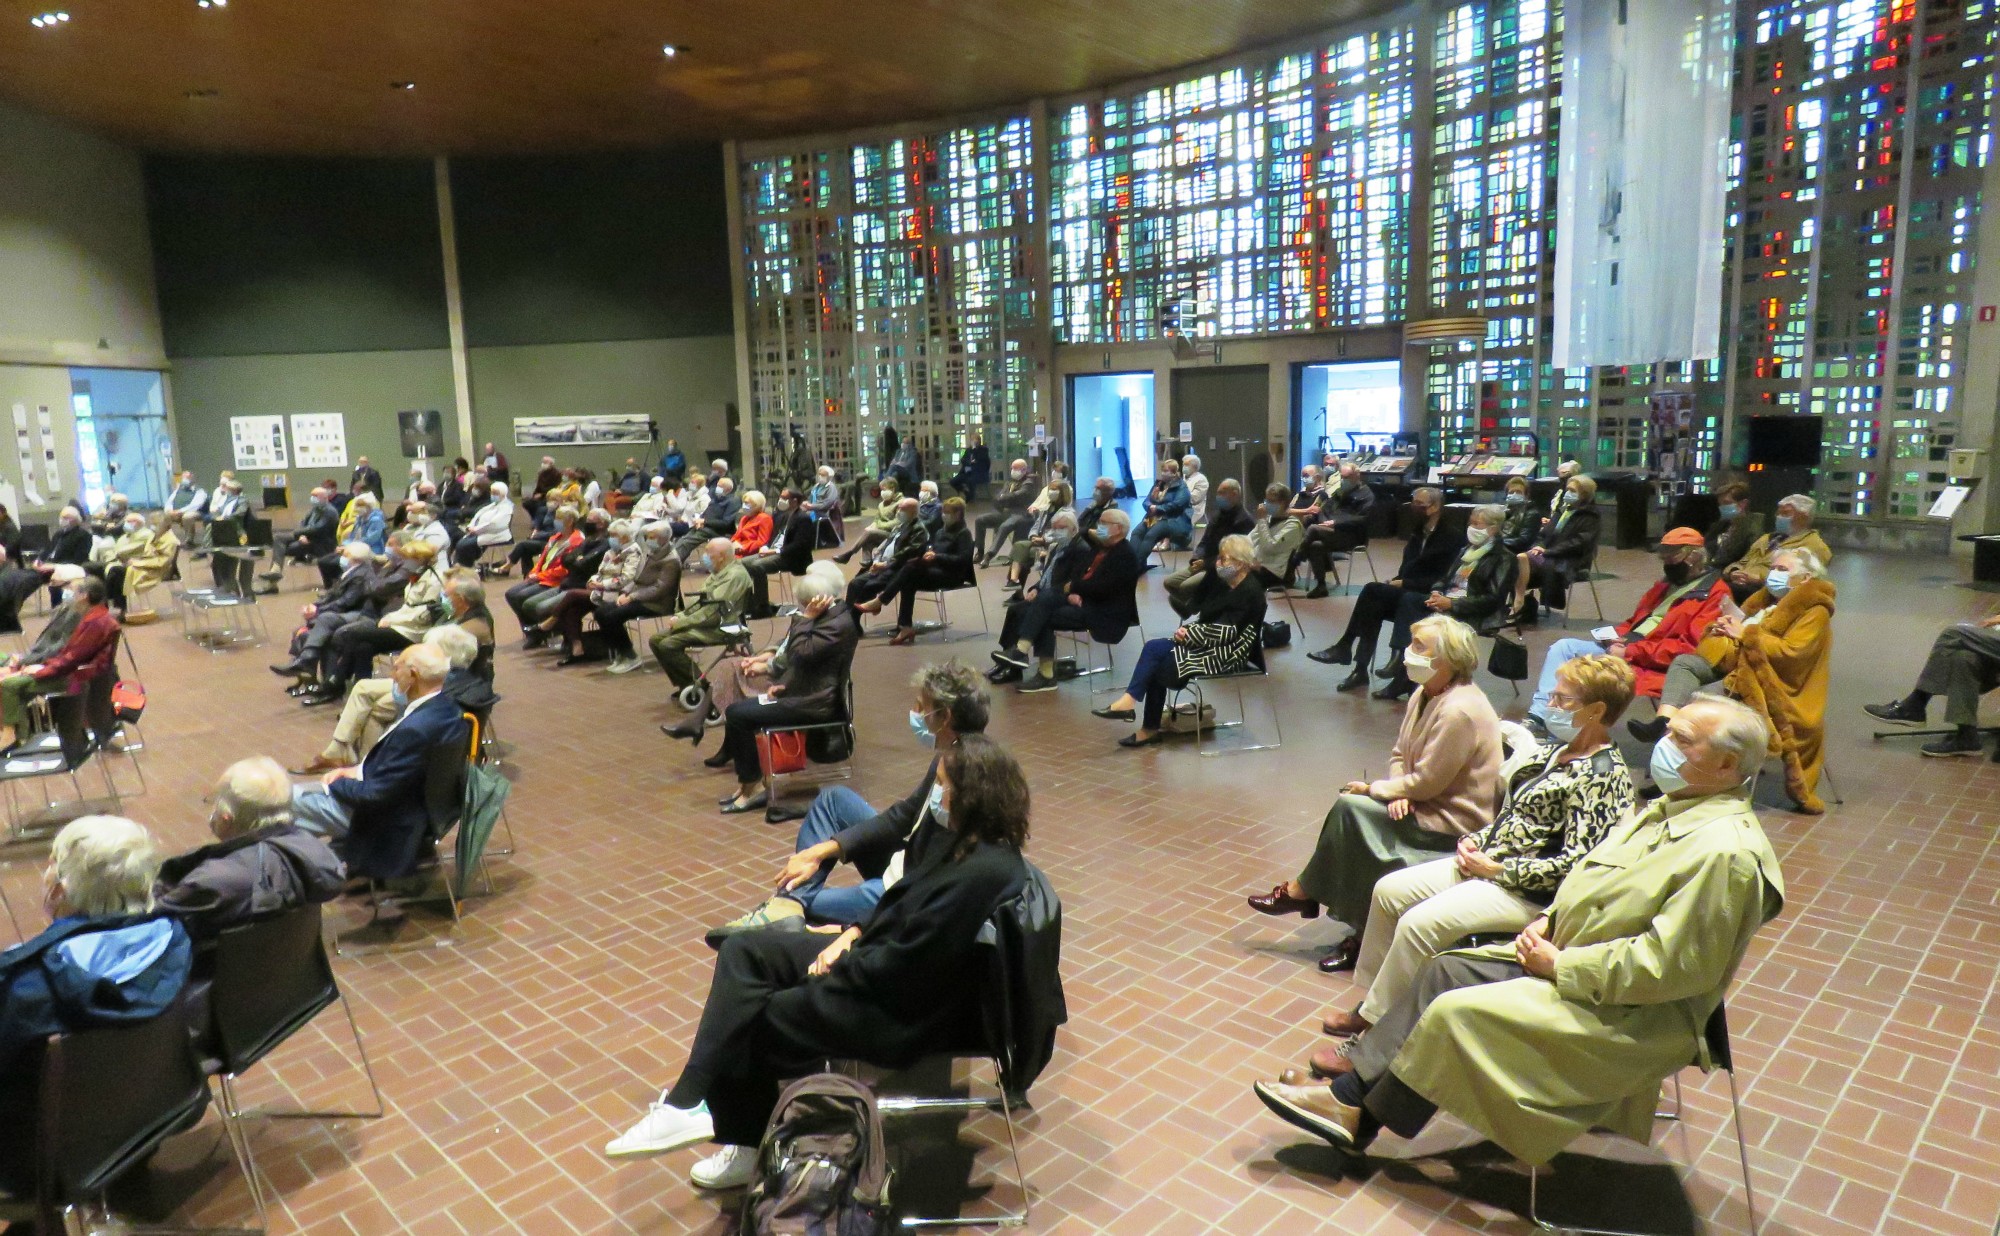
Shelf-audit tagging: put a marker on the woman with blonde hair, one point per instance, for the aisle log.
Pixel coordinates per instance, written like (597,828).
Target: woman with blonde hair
(1443,782)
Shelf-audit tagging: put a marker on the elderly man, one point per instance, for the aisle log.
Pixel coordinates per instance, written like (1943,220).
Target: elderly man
(1085,587)
(841,827)
(350,599)
(68,552)
(377,702)
(1228,518)
(1574,1025)
(315,534)
(1427,559)
(718,519)
(1670,620)
(1009,516)
(189,499)
(1792,529)
(1964,664)
(655,590)
(1342,525)
(946,562)
(1166,512)
(905,544)
(375,813)
(105,958)
(720,603)
(1103,496)
(1197,485)
(260,863)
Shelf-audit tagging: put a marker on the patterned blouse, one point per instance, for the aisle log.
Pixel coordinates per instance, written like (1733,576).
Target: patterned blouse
(1553,814)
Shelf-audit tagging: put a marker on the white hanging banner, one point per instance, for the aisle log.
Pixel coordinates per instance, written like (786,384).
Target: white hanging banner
(25,451)
(1640,182)
(47,424)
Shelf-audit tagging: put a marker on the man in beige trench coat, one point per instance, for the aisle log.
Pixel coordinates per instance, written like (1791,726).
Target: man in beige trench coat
(1574,1025)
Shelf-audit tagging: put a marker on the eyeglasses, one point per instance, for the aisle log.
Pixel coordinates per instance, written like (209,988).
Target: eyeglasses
(1566,701)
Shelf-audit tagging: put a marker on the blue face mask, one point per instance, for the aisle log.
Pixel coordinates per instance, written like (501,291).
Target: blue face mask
(1517,499)
(1782,525)
(1225,504)
(1561,725)
(400,697)
(1666,766)
(1572,498)
(1778,582)
(922,729)
(935,802)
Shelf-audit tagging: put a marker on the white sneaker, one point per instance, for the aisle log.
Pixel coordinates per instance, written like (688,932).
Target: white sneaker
(624,667)
(731,1167)
(664,1128)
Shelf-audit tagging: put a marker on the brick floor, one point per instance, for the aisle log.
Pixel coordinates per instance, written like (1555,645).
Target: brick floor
(1866,1020)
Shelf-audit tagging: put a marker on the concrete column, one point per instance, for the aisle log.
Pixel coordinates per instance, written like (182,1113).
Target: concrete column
(454,308)
(1979,410)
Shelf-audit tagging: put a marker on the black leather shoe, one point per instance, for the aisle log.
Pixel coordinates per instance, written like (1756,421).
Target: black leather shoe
(1648,732)
(1338,654)
(1114,714)
(1342,958)
(1399,689)
(1898,713)
(1356,681)
(1318,591)
(720,759)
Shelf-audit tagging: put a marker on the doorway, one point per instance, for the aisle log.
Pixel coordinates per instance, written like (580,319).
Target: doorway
(1111,430)
(122,444)
(1228,408)
(1363,398)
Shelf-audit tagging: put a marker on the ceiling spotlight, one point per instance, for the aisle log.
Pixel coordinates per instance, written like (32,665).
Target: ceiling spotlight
(48,20)
(670,51)
(402,85)
(211,4)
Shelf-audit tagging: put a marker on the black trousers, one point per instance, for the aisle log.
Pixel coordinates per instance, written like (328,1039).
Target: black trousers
(329,569)
(752,1037)
(742,720)
(611,620)
(114,586)
(352,653)
(1400,1109)
(520,594)
(868,585)
(1552,580)
(1378,602)
(1037,621)
(1325,540)
(911,578)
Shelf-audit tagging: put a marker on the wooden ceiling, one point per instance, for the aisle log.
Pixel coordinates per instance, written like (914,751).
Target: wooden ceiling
(503,76)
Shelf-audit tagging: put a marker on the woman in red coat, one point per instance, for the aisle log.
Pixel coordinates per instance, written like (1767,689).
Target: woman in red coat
(753,527)
(82,654)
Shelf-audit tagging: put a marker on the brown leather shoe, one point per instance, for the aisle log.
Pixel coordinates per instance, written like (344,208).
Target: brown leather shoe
(1278,901)
(903,636)
(1344,1023)
(1314,1109)
(318,765)
(1331,1061)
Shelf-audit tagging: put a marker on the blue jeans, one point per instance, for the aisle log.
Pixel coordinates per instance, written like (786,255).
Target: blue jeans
(836,808)
(317,811)
(1560,651)
(1178,529)
(1152,678)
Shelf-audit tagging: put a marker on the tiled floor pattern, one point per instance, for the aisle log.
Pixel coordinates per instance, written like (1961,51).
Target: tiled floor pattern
(1866,1021)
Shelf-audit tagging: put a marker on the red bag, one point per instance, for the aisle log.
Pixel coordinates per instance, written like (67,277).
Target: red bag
(782,752)
(128,699)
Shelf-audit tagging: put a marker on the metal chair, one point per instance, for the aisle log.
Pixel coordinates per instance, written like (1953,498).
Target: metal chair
(842,722)
(1280,589)
(108,1097)
(741,644)
(60,752)
(234,594)
(1080,644)
(937,596)
(1587,577)
(1716,1036)
(1256,669)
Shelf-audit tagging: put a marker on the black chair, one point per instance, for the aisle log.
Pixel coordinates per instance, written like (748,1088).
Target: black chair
(1715,1036)
(838,726)
(60,751)
(444,802)
(939,596)
(108,1098)
(268,980)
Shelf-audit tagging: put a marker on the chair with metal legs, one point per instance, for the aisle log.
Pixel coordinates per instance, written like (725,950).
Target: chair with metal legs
(1256,669)
(937,597)
(1715,1035)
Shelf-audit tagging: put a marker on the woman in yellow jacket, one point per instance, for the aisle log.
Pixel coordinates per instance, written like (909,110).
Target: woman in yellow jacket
(146,558)
(1775,657)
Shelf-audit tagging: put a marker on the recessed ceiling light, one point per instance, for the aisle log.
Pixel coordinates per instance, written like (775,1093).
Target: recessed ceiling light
(211,4)
(671,50)
(48,21)
(402,85)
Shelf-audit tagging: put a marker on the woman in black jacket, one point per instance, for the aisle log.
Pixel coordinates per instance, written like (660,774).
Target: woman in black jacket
(900,986)
(1524,519)
(1562,553)
(1223,635)
(946,562)
(1475,591)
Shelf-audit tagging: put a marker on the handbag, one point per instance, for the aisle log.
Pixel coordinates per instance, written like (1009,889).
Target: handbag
(1508,660)
(781,752)
(1277,634)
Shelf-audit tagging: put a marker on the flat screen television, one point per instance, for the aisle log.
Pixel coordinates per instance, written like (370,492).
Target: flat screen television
(1785,441)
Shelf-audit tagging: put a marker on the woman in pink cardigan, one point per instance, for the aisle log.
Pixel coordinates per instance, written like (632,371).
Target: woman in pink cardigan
(1443,782)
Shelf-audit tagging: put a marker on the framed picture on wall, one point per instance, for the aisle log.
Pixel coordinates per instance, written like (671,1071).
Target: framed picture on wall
(602,429)
(319,439)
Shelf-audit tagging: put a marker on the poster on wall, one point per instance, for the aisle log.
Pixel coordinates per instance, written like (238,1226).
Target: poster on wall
(25,452)
(51,470)
(319,439)
(601,430)
(259,441)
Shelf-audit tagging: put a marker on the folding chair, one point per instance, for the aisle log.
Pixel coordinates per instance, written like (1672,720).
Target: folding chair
(108,1097)
(1716,1036)
(1256,669)
(1080,644)
(842,722)
(1587,577)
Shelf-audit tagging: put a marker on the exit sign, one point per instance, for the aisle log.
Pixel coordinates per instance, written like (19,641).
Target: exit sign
(1986,313)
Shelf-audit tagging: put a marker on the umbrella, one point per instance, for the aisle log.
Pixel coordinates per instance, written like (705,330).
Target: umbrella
(485,797)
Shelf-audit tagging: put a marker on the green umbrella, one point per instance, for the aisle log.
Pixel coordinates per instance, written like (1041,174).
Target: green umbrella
(485,797)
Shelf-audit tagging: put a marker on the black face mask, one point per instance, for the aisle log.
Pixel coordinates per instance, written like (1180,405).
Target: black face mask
(1678,572)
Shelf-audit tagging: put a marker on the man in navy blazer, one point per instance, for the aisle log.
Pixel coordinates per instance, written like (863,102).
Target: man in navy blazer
(376,814)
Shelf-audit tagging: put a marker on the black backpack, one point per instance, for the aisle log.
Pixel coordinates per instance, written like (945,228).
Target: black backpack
(821,1169)
(1277,634)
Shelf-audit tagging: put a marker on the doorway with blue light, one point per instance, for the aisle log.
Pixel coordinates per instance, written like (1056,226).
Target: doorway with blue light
(1342,406)
(122,444)
(1112,430)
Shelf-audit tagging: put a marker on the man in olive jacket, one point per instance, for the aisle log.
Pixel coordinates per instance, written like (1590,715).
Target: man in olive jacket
(1574,1025)
(700,624)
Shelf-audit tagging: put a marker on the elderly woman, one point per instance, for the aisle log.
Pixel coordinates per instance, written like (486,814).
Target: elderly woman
(1574,1024)
(352,651)
(1563,549)
(1443,782)
(1055,498)
(823,502)
(491,525)
(1523,522)
(1220,637)
(901,985)
(1775,657)
(545,572)
(879,527)
(616,573)
(1562,797)
(76,646)
(1474,591)
(1197,486)
(807,675)
(106,957)
(753,526)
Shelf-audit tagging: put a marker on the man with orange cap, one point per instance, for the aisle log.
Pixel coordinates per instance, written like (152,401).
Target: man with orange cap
(1669,621)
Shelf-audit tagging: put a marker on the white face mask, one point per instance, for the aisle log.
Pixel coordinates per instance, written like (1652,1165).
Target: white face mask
(1419,667)
(1476,537)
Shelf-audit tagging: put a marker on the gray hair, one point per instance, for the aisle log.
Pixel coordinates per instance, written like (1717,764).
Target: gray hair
(1237,548)
(1453,642)
(254,794)
(427,661)
(367,499)
(728,546)
(356,551)
(466,588)
(498,489)
(622,527)
(1809,565)
(955,687)
(726,485)
(1492,512)
(1804,504)
(1737,730)
(1429,491)
(661,530)
(106,865)
(1229,484)
(1191,462)
(810,587)
(1065,518)
(458,644)
(1116,516)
